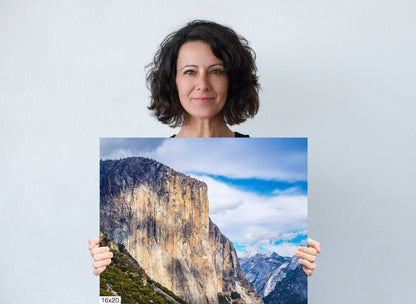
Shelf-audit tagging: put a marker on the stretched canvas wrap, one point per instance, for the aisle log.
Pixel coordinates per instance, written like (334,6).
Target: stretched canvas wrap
(204,220)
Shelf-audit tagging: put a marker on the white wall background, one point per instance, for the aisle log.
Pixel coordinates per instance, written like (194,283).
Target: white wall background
(338,72)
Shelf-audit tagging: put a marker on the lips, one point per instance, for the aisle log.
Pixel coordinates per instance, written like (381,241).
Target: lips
(203,99)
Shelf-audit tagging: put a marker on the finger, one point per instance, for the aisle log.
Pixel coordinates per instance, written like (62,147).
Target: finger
(100,264)
(307,264)
(93,243)
(314,244)
(303,255)
(307,271)
(99,270)
(102,256)
(97,250)
(308,250)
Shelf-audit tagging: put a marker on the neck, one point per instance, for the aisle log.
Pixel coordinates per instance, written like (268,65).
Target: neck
(205,128)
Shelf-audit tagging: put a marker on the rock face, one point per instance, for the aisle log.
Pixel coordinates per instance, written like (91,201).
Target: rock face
(264,271)
(290,290)
(161,217)
(230,277)
(125,278)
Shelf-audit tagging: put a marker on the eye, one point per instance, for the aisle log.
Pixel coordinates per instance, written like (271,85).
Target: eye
(217,72)
(189,72)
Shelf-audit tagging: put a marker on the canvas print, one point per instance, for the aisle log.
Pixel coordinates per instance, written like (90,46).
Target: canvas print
(204,220)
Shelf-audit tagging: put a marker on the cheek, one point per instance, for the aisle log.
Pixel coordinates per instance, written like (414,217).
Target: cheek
(224,89)
(183,87)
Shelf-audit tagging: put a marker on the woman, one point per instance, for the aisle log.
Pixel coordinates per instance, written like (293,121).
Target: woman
(203,78)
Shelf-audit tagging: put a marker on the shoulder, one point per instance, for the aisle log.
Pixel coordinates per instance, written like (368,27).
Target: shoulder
(236,134)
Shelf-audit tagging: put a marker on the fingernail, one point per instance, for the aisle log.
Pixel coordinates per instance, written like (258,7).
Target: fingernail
(109,255)
(108,262)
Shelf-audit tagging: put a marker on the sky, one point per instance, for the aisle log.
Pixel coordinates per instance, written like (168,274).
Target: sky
(257,187)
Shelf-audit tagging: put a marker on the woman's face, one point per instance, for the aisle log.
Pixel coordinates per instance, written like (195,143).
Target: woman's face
(201,80)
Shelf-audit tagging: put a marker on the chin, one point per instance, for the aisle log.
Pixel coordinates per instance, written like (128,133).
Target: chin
(202,113)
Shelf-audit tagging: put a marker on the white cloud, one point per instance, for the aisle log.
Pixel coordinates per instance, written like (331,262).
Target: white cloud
(283,249)
(119,147)
(224,207)
(254,220)
(249,158)
(118,154)
(272,235)
(288,191)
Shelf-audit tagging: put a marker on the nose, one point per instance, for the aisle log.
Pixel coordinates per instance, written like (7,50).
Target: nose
(202,83)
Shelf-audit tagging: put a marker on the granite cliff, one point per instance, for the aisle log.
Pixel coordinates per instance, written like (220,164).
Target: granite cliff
(161,217)
(125,278)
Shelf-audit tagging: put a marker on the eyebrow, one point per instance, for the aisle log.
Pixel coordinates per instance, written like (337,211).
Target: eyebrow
(195,66)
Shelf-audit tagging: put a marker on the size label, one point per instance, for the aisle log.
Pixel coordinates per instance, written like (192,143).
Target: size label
(108,300)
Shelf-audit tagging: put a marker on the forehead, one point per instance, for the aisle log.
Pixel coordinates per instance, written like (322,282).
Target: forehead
(197,53)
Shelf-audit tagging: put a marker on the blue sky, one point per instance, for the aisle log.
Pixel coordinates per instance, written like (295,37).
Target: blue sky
(257,187)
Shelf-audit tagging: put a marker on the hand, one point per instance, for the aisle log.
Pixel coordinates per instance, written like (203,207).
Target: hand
(101,255)
(307,255)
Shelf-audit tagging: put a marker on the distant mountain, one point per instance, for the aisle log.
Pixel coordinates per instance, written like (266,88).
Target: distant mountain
(293,289)
(264,271)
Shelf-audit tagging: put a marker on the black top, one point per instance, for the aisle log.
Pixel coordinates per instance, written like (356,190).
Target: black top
(236,134)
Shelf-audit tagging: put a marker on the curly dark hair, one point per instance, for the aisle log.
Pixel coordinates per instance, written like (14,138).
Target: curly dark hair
(240,67)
